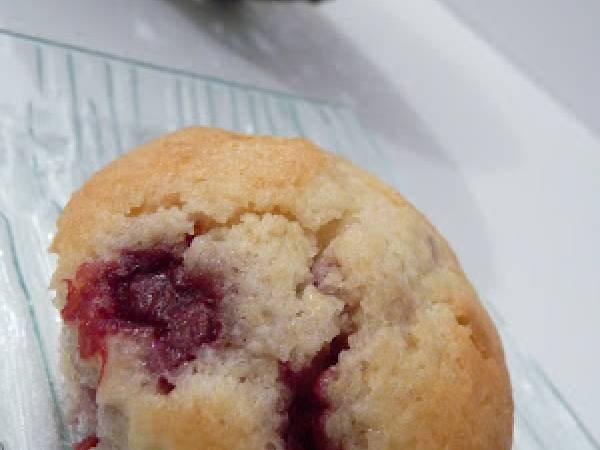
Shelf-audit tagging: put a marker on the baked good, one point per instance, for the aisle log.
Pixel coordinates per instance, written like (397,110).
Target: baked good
(223,291)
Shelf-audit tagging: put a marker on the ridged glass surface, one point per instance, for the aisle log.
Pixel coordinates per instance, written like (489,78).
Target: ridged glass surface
(64,113)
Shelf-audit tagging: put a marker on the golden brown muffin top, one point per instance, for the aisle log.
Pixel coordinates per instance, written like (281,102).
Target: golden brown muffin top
(312,248)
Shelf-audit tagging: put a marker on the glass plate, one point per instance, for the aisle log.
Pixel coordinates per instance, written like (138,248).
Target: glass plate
(67,111)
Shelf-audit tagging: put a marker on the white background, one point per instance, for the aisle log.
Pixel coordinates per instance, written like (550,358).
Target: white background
(491,114)
(555,42)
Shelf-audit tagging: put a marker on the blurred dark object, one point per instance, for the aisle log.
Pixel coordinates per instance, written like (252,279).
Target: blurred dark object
(235,1)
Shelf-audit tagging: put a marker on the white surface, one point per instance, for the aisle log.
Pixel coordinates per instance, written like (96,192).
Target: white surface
(556,42)
(510,177)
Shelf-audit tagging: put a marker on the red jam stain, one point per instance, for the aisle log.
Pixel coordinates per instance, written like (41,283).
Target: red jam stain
(163,386)
(88,443)
(307,410)
(148,295)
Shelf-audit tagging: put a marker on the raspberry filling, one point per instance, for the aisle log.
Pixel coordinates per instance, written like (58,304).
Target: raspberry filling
(88,443)
(307,410)
(148,295)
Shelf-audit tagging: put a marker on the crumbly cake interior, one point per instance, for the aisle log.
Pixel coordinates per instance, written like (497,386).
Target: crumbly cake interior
(306,307)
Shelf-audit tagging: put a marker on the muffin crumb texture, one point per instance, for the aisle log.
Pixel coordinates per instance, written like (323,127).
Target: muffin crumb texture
(222,291)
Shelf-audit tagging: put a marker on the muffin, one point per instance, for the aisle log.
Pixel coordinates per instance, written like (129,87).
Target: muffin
(223,291)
